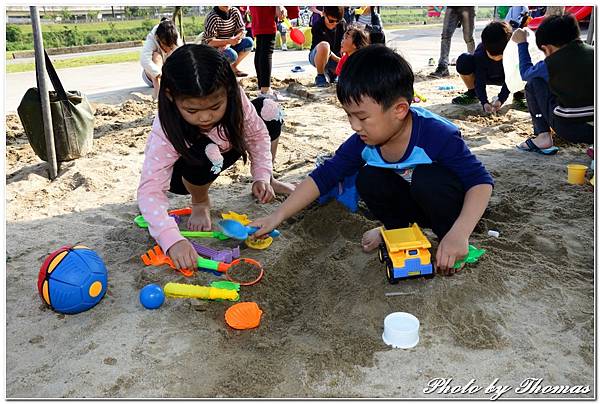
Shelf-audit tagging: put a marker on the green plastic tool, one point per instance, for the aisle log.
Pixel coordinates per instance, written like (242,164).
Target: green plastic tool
(141,222)
(225,285)
(471,257)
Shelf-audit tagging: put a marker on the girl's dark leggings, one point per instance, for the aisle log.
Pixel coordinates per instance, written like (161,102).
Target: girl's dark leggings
(433,199)
(263,58)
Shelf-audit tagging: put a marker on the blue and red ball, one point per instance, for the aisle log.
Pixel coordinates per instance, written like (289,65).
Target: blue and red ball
(72,279)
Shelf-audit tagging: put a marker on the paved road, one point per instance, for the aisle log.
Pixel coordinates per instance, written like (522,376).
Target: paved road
(112,83)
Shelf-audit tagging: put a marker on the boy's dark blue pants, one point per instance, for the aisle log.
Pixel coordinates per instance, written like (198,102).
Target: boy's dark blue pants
(433,199)
(541,103)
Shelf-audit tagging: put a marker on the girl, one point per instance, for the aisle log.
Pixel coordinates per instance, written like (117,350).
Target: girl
(354,39)
(160,42)
(205,123)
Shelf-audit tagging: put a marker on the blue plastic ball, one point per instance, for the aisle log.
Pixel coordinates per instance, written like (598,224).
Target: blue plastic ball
(152,296)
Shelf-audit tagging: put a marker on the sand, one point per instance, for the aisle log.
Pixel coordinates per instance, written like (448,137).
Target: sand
(525,310)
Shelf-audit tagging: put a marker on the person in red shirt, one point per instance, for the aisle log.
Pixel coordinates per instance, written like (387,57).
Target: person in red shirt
(354,38)
(264,30)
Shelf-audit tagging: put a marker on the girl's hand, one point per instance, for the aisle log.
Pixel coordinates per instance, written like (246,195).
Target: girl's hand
(453,247)
(265,225)
(183,254)
(263,191)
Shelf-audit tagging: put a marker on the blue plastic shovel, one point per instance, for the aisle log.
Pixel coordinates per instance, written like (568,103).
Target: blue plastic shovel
(234,229)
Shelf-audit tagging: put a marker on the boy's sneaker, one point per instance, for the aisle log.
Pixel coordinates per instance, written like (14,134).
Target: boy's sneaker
(283,47)
(466,98)
(440,72)
(519,102)
(321,81)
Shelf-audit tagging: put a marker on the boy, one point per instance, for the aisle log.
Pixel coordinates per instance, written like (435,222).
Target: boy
(485,67)
(327,35)
(413,165)
(560,89)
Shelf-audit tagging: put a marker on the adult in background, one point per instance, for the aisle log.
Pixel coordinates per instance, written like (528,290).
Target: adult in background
(264,29)
(224,29)
(327,34)
(160,42)
(455,15)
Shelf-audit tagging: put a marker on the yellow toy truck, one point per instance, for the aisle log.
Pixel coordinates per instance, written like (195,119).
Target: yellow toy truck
(405,253)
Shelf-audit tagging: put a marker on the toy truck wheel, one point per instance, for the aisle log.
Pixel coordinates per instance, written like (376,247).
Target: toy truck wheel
(382,253)
(389,272)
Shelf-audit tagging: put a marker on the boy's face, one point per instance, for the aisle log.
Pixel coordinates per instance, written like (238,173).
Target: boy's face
(374,125)
(494,58)
(330,22)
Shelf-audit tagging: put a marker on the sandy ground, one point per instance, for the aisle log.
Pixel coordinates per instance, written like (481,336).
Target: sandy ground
(526,310)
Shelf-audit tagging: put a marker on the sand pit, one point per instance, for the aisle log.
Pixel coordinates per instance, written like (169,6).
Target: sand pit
(526,310)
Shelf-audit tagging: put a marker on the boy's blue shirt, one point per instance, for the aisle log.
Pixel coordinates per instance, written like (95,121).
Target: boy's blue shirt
(433,139)
(488,69)
(528,70)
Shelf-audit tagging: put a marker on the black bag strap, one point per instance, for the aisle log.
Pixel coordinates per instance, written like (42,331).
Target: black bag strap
(58,87)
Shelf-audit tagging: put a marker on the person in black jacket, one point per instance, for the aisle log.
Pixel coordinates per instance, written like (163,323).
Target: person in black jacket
(327,34)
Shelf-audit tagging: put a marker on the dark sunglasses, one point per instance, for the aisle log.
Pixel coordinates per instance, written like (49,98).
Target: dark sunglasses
(334,21)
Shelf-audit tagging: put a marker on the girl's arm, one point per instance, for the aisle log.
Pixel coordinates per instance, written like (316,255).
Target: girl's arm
(258,142)
(159,158)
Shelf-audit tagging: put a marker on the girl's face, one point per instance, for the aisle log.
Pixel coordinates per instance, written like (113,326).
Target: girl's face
(203,112)
(347,46)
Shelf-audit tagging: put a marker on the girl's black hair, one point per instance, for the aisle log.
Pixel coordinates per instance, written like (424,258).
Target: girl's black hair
(378,72)
(198,71)
(167,32)
(557,30)
(359,37)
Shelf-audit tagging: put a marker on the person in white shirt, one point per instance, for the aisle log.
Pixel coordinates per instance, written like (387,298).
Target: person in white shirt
(160,42)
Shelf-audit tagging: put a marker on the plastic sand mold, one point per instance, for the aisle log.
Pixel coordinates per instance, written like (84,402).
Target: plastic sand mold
(243,316)
(471,257)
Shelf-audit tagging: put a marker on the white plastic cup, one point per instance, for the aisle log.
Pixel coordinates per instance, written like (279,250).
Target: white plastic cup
(401,330)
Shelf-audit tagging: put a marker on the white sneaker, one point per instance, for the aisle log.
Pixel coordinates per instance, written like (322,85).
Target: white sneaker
(274,95)
(283,47)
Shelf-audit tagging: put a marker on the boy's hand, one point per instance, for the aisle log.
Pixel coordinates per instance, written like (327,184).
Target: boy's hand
(519,36)
(496,105)
(265,225)
(183,254)
(487,107)
(453,247)
(263,191)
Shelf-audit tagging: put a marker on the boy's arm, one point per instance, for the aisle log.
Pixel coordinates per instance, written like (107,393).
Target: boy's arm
(306,192)
(528,70)
(480,89)
(455,244)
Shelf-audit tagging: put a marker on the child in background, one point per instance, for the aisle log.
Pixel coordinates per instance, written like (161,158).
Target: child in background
(412,165)
(354,39)
(485,67)
(560,88)
(205,123)
(367,18)
(327,35)
(160,42)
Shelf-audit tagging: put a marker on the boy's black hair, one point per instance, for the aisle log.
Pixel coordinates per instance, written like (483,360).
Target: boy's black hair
(377,72)
(495,36)
(334,11)
(359,36)
(198,71)
(167,32)
(557,30)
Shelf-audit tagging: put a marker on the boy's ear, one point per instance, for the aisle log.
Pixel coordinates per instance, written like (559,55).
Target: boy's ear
(401,108)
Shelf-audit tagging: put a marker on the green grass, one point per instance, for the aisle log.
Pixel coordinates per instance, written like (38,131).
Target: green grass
(98,26)
(78,61)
